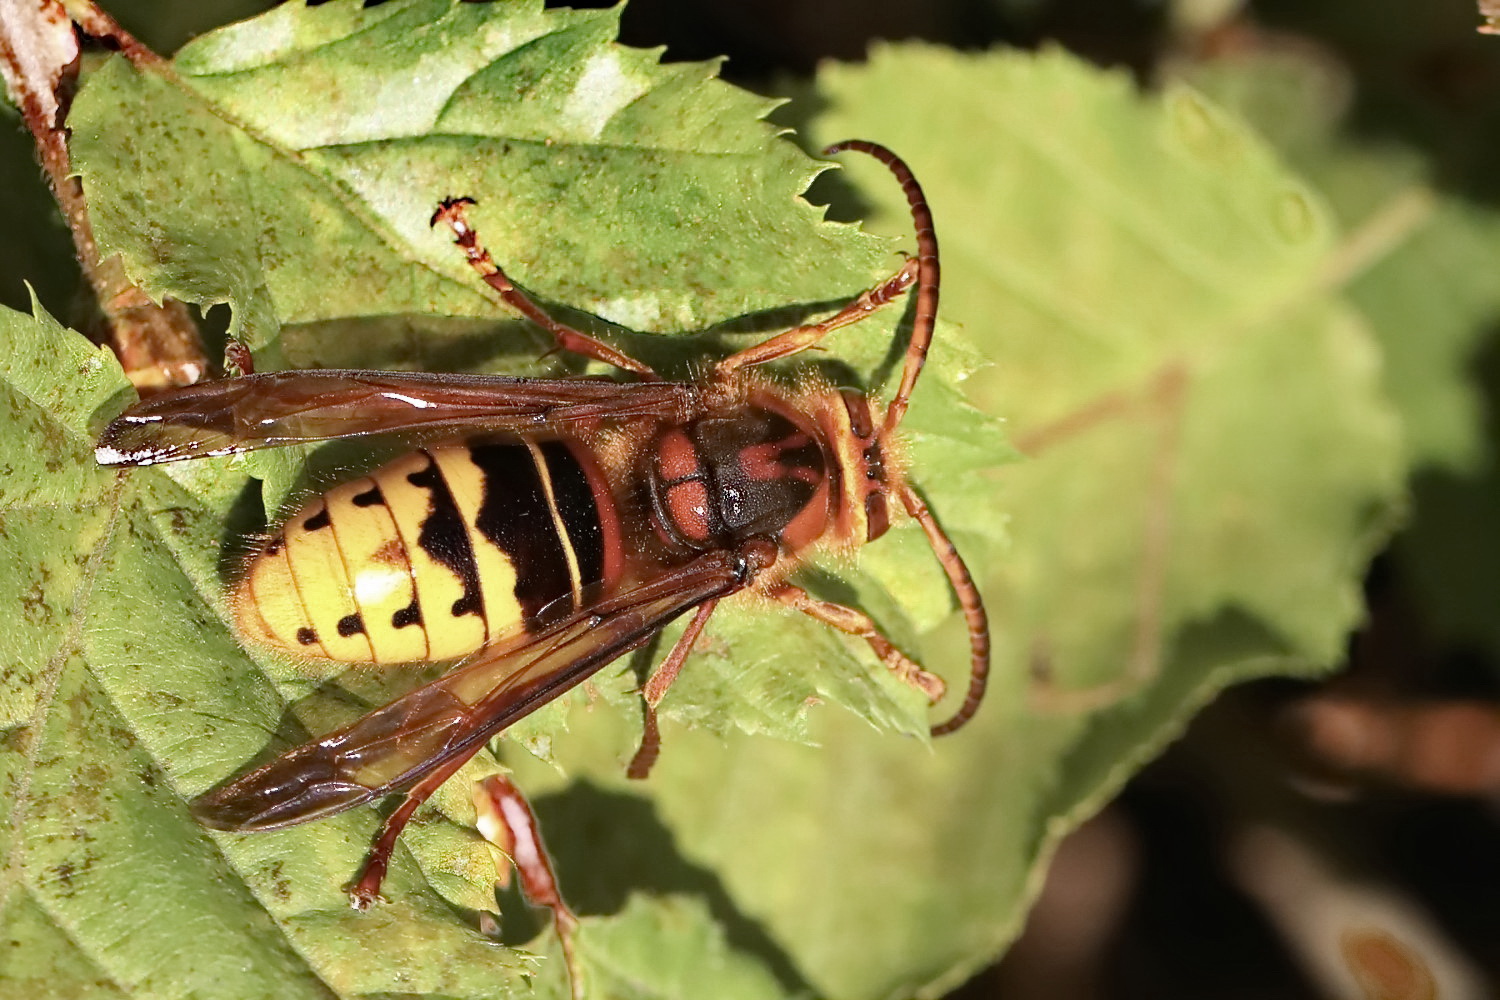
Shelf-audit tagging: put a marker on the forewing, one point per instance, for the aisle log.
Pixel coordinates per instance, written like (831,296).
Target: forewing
(449,719)
(278,408)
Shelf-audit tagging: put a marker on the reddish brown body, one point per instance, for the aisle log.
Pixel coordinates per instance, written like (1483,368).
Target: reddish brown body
(582,518)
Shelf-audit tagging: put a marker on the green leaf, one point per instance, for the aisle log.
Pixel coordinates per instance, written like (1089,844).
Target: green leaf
(1212,458)
(1418,261)
(321,141)
(1423,276)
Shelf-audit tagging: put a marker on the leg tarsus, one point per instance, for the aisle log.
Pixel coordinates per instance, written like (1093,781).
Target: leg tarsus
(802,338)
(857,623)
(364,891)
(656,687)
(645,755)
(453,213)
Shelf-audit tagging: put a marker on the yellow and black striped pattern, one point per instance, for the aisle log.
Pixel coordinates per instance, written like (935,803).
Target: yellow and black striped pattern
(434,555)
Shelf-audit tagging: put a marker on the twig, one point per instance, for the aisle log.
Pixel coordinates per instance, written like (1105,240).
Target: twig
(158,344)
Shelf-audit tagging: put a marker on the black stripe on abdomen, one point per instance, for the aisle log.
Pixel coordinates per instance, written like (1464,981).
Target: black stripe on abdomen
(446,540)
(516,518)
(579,509)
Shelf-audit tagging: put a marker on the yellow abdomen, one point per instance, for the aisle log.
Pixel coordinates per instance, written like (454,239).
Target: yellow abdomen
(436,554)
